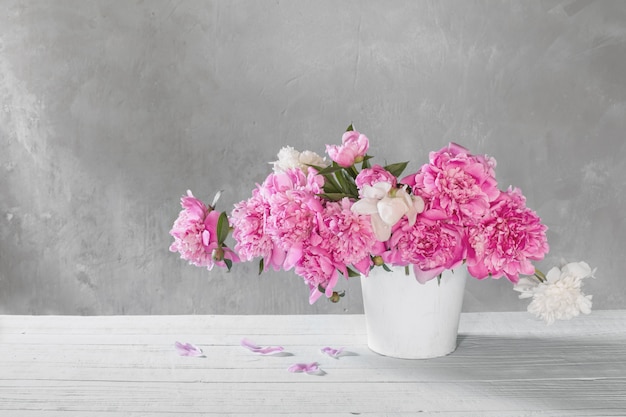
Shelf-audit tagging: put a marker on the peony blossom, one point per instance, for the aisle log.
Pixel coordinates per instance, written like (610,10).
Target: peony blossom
(386,206)
(293,202)
(318,268)
(278,220)
(292,179)
(289,158)
(308,158)
(339,238)
(560,296)
(249,230)
(347,236)
(373,175)
(507,239)
(430,245)
(291,217)
(458,183)
(353,148)
(195,235)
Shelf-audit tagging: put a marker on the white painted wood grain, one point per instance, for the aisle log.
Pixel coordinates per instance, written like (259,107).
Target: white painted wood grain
(507,364)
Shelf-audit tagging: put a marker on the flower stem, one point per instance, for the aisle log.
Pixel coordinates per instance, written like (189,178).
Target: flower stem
(540,275)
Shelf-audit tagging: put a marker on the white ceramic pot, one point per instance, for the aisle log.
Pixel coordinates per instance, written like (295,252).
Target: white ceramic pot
(409,320)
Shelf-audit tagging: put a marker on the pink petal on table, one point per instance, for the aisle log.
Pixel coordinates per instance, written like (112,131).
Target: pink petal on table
(333,353)
(261,350)
(187,349)
(309,368)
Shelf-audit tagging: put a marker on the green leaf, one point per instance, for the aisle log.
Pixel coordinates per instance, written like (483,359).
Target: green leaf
(386,268)
(318,168)
(330,170)
(223,228)
(352,171)
(341,179)
(366,162)
(261,266)
(396,169)
(352,273)
(331,187)
(347,184)
(229,264)
(334,196)
(350,128)
(351,187)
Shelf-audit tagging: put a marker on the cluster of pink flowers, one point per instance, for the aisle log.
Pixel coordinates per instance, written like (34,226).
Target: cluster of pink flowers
(340,218)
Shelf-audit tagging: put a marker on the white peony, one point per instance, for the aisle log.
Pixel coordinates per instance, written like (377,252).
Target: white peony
(560,296)
(289,158)
(386,206)
(311,158)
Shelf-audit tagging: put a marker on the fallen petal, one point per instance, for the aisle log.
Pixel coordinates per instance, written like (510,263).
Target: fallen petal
(187,349)
(333,353)
(309,368)
(261,350)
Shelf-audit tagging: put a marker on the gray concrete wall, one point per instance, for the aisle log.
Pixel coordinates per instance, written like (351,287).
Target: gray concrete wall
(111,110)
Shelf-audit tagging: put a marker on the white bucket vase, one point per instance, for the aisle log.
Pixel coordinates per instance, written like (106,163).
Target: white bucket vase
(409,320)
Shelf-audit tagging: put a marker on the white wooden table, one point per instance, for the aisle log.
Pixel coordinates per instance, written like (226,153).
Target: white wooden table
(507,364)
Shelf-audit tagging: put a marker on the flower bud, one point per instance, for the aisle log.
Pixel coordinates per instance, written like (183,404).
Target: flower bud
(378,260)
(336,296)
(218,254)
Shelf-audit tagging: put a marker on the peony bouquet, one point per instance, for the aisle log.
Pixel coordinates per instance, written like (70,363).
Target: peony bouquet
(327,219)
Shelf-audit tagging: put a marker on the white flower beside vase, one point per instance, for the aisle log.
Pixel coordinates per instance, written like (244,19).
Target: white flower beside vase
(409,320)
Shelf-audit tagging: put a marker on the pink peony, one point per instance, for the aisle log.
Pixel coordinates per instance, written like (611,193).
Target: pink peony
(317,266)
(292,179)
(293,204)
(291,217)
(370,176)
(248,221)
(195,235)
(353,148)
(457,183)
(430,245)
(347,236)
(505,241)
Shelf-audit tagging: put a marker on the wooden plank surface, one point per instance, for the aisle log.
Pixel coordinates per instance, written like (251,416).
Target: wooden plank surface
(507,364)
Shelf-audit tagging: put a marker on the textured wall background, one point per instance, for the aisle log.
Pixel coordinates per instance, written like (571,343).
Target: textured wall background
(111,110)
